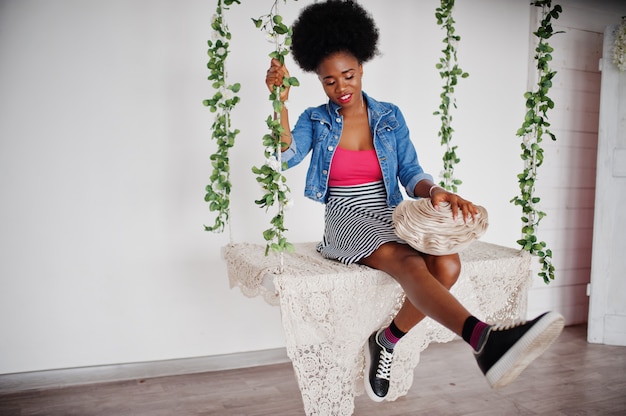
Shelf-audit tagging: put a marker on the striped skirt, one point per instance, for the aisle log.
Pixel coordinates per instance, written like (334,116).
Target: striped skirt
(357,222)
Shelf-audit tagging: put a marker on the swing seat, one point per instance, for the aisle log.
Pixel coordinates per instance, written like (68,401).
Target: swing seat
(329,310)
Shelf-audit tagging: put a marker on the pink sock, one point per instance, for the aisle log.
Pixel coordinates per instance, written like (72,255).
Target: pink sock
(478,334)
(390,336)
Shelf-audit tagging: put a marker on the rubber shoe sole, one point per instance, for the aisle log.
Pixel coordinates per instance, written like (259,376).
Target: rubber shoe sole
(530,346)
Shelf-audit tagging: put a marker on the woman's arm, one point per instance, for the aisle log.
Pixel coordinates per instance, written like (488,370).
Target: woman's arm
(427,189)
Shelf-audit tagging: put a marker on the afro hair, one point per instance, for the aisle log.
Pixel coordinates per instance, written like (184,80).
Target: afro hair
(333,26)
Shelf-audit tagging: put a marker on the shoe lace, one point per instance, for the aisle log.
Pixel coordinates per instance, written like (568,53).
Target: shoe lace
(384,364)
(510,325)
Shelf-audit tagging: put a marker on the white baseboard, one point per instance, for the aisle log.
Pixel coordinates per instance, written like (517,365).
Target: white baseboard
(10,383)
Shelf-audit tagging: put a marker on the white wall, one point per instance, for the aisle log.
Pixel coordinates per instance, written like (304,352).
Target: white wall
(104,150)
(567,181)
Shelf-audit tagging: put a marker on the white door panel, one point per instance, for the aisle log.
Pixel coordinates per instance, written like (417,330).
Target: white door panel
(607,306)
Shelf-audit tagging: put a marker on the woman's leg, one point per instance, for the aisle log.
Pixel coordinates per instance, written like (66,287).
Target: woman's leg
(425,295)
(446,269)
(425,292)
(502,353)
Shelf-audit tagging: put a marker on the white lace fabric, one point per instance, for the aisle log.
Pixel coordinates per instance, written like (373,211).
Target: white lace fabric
(329,310)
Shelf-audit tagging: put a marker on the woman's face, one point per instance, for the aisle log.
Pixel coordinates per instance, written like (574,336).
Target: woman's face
(340,74)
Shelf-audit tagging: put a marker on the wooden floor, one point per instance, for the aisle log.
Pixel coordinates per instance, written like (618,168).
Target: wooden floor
(572,378)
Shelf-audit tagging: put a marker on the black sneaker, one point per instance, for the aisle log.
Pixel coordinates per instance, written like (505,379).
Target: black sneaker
(508,350)
(377,369)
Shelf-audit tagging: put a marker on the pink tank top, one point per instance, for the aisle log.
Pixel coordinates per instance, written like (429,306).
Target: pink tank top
(354,167)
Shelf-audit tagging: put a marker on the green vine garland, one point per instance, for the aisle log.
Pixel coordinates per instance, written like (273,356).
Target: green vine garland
(270,175)
(619,47)
(449,71)
(533,130)
(222,103)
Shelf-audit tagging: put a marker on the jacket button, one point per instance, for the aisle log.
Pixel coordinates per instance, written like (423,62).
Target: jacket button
(325,172)
(319,194)
(330,148)
(338,119)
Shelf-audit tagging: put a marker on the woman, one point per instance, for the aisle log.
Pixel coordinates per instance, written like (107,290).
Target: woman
(361,149)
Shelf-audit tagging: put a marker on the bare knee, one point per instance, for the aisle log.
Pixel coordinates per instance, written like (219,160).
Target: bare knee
(446,269)
(396,260)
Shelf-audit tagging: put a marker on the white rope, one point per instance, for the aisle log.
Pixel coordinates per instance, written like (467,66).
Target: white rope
(281,256)
(223,90)
(230,223)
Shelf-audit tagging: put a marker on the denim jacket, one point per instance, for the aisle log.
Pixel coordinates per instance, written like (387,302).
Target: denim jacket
(318,130)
